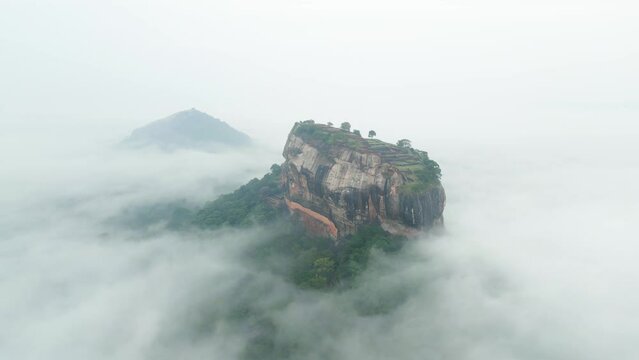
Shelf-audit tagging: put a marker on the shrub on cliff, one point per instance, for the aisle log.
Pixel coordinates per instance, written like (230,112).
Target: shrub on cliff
(427,175)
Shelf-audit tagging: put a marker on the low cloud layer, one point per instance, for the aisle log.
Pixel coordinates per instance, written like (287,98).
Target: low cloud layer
(537,262)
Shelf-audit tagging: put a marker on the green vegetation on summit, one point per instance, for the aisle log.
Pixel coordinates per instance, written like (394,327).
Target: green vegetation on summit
(422,172)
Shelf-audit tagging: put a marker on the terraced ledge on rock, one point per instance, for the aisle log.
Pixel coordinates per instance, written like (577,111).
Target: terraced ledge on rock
(337,181)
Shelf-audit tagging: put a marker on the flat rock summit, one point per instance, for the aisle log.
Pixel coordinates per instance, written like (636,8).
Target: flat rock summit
(335,181)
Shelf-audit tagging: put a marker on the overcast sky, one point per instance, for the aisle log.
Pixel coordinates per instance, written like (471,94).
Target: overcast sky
(454,68)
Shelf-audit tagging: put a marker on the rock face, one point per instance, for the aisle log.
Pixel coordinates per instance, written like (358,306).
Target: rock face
(335,181)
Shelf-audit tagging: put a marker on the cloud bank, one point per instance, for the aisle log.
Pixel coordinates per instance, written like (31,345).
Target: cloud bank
(537,261)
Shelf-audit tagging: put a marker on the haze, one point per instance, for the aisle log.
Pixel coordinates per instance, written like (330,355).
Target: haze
(487,68)
(530,108)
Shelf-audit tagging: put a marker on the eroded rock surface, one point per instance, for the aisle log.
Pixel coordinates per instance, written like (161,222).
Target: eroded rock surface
(336,181)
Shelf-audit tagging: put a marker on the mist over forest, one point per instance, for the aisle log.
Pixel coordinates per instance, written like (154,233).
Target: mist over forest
(536,262)
(128,233)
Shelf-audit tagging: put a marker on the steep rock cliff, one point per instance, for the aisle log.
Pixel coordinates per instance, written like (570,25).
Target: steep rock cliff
(335,181)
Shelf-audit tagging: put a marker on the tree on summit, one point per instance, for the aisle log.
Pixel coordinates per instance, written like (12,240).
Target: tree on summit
(404,143)
(346,126)
(372,134)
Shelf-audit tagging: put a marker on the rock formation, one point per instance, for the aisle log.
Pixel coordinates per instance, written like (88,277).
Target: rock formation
(335,181)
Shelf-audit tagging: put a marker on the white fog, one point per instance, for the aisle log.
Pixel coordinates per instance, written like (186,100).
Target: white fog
(530,110)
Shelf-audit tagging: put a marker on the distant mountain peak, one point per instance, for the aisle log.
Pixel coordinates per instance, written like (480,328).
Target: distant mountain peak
(188,129)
